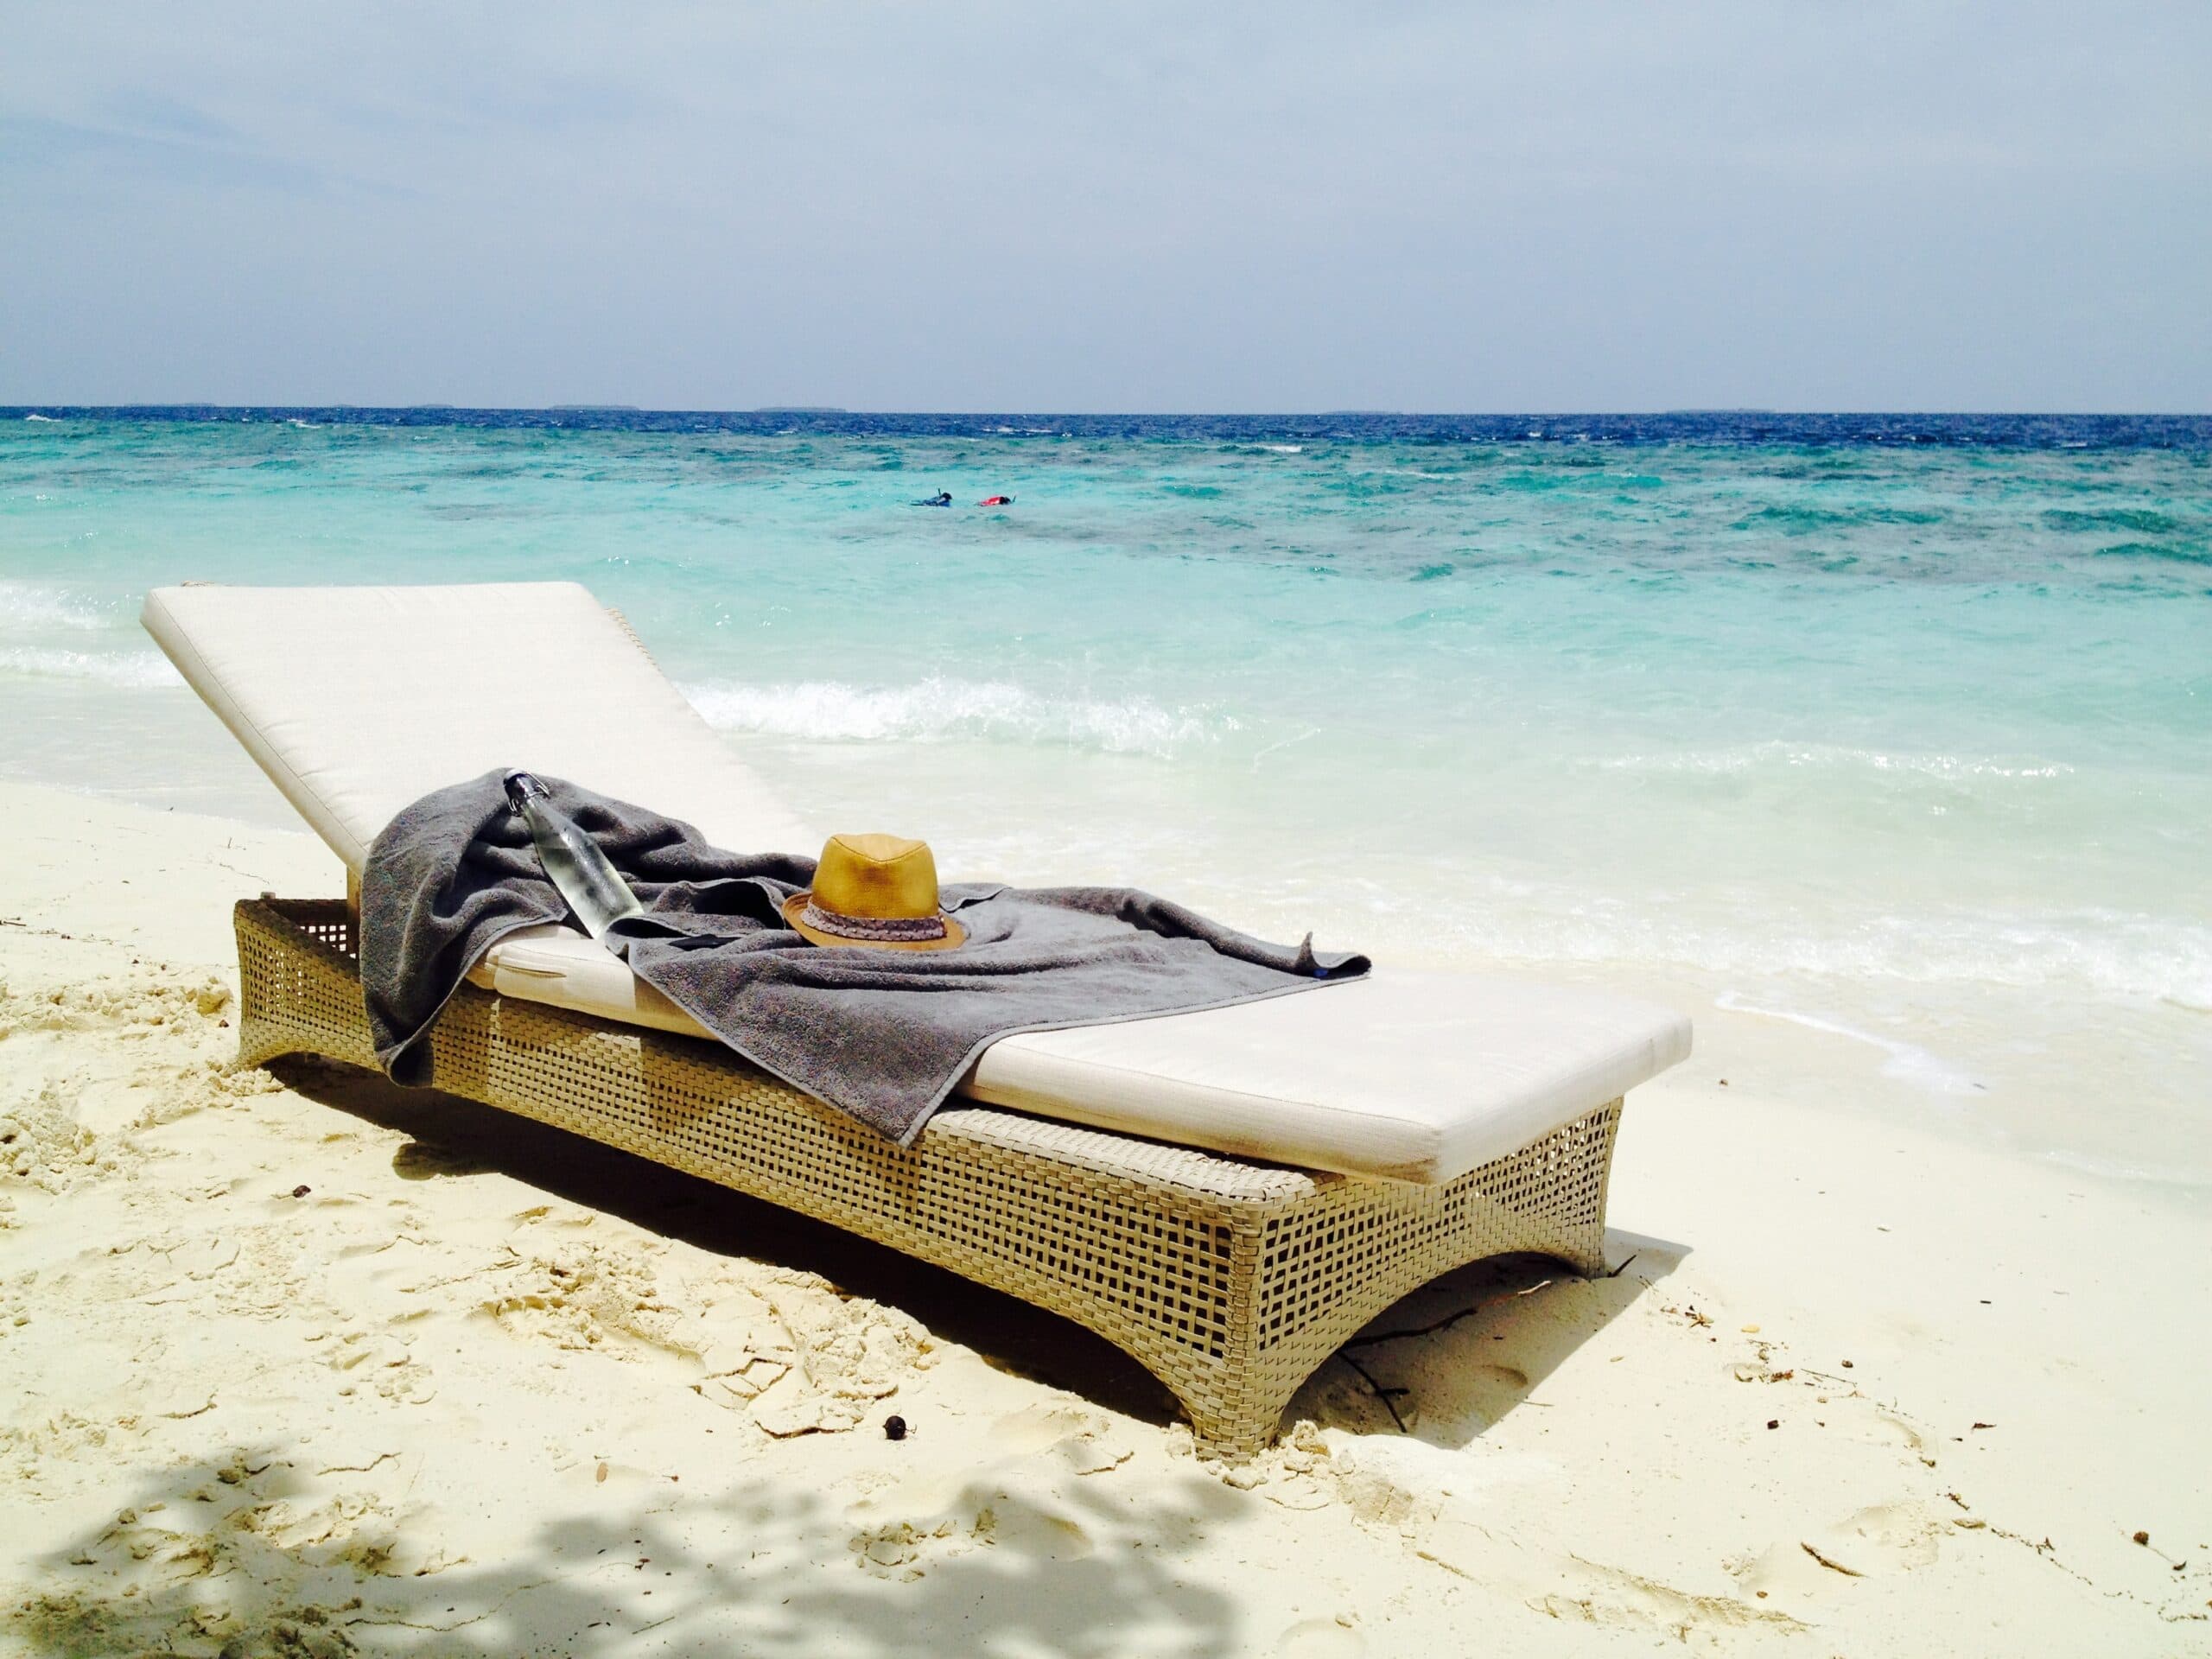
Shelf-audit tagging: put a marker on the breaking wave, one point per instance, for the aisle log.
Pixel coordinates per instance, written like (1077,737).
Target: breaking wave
(25,605)
(134,671)
(1754,757)
(936,710)
(2127,956)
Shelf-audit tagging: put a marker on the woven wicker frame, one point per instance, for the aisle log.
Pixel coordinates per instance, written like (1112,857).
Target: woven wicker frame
(1230,1281)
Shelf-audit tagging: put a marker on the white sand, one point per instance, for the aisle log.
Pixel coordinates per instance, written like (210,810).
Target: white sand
(331,1367)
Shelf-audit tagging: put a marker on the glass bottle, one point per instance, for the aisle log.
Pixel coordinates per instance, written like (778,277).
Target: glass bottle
(594,889)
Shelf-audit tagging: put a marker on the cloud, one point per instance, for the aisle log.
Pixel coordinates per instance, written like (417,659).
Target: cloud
(1017,207)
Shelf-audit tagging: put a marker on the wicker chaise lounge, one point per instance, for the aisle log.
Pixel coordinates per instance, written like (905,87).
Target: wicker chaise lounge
(1226,1195)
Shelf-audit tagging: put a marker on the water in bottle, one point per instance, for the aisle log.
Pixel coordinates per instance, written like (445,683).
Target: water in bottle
(591,886)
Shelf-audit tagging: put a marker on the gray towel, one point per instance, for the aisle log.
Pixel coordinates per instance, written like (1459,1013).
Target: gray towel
(882,1034)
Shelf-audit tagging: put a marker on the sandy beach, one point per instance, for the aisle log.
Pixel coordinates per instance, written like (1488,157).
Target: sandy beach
(1682,538)
(303,1364)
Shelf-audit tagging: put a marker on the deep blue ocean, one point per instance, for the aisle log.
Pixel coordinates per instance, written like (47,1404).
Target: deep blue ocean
(1734,426)
(1897,726)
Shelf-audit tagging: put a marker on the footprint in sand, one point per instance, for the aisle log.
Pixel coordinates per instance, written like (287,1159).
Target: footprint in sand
(1880,1540)
(903,1551)
(1445,1392)
(949,1515)
(425,1161)
(1087,1442)
(1320,1638)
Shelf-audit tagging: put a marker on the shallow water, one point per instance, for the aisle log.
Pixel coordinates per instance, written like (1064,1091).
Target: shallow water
(1911,739)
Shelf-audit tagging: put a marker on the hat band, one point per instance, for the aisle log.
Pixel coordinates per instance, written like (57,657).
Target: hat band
(873,927)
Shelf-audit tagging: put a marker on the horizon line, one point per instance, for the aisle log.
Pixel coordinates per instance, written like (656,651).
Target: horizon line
(1775,411)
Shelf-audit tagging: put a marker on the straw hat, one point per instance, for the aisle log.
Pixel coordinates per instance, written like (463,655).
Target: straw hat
(876,891)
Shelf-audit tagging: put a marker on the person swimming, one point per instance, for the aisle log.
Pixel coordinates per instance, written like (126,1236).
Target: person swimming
(942,498)
(997,501)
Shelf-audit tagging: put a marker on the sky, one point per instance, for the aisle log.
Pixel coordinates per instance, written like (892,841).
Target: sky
(1222,207)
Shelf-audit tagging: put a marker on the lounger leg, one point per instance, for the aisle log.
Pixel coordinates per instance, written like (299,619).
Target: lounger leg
(1305,1277)
(1240,1422)
(1237,1416)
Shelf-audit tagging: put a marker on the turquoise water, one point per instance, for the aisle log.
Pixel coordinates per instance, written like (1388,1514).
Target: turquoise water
(1911,737)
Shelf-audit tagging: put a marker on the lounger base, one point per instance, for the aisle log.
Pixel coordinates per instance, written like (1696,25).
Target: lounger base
(1230,1282)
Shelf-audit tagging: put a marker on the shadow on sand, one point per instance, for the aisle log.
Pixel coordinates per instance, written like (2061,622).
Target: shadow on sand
(1450,1360)
(1444,1362)
(206,1554)
(454,1137)
(775,1575)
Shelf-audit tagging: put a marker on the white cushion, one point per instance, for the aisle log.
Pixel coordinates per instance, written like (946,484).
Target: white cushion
(357,700)
(1410,1076)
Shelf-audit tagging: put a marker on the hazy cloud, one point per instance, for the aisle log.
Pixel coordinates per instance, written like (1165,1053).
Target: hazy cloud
(1014,206)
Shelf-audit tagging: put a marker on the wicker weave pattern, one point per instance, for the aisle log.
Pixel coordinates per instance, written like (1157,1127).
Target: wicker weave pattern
(1230,1282)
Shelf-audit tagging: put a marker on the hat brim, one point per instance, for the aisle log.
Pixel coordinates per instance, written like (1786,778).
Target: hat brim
(795,909)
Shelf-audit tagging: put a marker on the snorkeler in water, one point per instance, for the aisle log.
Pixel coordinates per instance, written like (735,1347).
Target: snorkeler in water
(942,498)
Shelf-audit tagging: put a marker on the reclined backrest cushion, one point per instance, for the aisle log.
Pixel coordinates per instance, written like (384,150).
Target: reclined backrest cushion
(357,701)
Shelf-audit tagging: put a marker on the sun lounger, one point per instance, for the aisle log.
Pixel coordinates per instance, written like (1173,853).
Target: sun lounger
(1227,1195)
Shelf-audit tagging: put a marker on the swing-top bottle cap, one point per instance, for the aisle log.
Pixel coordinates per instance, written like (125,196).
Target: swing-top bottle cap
(522,786)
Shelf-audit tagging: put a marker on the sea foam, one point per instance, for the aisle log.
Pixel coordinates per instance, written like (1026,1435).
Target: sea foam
(130,670)
(938,709)
(1817,756)
(27,608)
(1906,1061)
